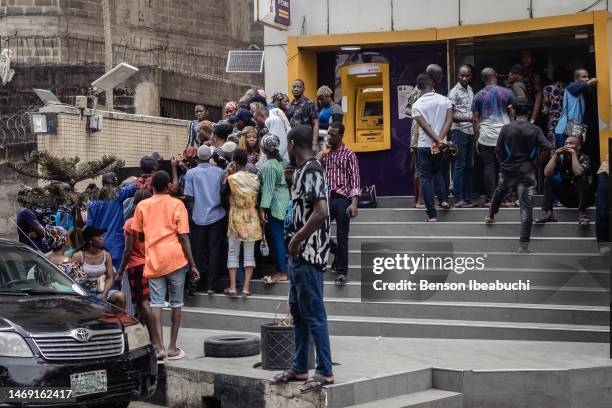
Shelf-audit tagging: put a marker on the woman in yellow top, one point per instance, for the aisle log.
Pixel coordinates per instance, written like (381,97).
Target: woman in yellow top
(244,225)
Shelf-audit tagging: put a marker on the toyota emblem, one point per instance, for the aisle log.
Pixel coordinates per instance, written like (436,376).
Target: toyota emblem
(81,334)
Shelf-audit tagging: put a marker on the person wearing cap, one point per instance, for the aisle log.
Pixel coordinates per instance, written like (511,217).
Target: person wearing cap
(243,118)
(330,111)
(208,219)
(96,264)
(302,111)
(108,214)
(273,203)
(519,145)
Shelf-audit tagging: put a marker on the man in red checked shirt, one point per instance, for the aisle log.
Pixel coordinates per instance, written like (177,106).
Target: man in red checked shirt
(342,176)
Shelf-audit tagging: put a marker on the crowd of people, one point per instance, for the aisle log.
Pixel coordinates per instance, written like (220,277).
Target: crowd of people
(500,123)
(265,179)
(272,175)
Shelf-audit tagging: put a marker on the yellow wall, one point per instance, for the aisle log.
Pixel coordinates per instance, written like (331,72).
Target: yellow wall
(302,61)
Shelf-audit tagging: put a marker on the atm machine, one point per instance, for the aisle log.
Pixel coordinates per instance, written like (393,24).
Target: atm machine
(366,102)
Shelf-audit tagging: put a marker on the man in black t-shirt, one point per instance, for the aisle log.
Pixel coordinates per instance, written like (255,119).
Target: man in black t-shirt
(308,250)
(568,176)
(517,149)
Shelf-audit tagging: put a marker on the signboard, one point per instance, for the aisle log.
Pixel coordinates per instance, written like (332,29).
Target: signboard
(364,69)
(283,12)
(403,95)
(273,13)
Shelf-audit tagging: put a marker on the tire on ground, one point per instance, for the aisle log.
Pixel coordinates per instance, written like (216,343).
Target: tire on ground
(232,345)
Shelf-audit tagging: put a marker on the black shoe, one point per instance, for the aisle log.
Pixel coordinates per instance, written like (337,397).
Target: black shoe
(341,280)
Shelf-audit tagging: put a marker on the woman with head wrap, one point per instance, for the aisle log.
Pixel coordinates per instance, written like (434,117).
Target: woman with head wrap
(281,100)
(273,203)
(230,109)
(57,239)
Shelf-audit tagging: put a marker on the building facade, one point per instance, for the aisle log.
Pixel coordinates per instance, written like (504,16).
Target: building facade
(407,35)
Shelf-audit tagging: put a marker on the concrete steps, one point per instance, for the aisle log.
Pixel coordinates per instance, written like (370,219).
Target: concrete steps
(568,298)
(352,325)
(408,201)
(430,309)
(461,214)
(431,398)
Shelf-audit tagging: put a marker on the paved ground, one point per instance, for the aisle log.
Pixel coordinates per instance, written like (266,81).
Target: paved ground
(363,357)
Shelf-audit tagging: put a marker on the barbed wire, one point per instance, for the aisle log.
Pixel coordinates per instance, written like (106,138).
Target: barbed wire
(15,128)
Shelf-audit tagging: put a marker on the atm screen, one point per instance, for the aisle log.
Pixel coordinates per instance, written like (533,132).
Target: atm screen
(373,108)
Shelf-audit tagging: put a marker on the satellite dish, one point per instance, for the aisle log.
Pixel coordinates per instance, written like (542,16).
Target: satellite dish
(114,77)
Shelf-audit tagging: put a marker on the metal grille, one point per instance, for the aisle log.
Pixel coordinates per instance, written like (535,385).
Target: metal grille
(248,62)
(63,347)
(170,108)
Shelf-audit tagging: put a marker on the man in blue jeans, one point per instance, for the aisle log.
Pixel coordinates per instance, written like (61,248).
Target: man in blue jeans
(462,134)
(309,235)
(434,114)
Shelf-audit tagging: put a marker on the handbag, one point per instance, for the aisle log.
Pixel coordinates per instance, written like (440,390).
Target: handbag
(367,197)
(575,129)
(191,150)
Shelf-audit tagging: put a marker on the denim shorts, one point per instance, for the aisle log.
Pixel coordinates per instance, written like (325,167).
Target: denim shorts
(174,283)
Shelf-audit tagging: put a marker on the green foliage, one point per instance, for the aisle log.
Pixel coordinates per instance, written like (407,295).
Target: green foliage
(63,174)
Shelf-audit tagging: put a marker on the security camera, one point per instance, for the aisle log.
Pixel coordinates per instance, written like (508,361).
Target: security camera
(113,78)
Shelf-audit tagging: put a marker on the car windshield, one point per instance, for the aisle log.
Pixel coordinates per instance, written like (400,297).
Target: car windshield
(23,271)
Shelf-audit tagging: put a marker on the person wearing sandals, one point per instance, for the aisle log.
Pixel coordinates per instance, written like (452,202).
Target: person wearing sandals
(519,144)
(95,262)
(567,176)
(244,225)
(273,203)
(164,222)
(309,236)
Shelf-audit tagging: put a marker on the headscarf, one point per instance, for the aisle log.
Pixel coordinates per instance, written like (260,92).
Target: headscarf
(270,142)
(279,96)
(231,105)
(55,237)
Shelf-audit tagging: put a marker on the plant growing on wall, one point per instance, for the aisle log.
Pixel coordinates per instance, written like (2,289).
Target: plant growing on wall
(61,175)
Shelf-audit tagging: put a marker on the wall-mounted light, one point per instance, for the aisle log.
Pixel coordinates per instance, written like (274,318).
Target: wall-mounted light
(43,122)
(351,48)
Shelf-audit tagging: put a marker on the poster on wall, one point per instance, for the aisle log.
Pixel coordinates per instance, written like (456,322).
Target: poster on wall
(403,96)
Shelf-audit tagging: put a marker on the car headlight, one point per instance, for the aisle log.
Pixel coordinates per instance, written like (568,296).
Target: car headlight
(138,336)
(13,345)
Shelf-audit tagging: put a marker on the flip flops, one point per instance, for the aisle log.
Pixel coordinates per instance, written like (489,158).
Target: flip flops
(314,383)
(179,356)
(583,220)
(286,376)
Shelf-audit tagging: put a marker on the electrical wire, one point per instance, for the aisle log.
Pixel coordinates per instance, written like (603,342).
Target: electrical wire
(589,7)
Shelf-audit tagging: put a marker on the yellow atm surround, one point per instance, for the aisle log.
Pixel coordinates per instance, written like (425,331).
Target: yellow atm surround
(366,97)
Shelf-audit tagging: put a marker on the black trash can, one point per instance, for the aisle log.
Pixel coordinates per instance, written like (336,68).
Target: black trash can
(277,347)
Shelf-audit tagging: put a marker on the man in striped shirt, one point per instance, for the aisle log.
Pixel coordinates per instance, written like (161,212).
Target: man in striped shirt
(342,176)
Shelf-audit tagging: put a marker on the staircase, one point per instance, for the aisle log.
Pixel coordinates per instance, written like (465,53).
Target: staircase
(568,300)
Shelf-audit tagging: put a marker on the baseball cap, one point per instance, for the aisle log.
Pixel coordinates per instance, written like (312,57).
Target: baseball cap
(109,178)
(148,163)
(204,153)
(244,114)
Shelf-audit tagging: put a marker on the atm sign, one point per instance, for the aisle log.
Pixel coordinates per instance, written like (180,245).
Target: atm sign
(364,69)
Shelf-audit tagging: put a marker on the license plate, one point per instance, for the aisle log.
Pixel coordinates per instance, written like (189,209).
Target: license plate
(88,383)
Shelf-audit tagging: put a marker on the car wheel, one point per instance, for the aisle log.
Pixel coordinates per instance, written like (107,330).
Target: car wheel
(228,346)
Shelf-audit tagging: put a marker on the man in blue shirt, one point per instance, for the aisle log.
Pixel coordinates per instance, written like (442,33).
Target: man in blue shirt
(108,215)
(573,103)
(203,188)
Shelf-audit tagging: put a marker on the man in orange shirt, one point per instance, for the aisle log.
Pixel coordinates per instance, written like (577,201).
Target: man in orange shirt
(164,222)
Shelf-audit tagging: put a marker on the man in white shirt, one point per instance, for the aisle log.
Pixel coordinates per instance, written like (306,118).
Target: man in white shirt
(434,114)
